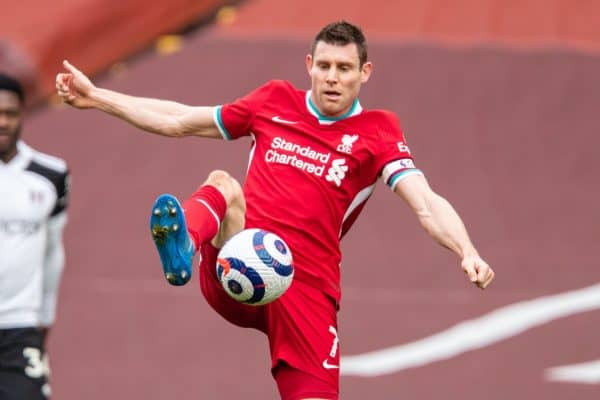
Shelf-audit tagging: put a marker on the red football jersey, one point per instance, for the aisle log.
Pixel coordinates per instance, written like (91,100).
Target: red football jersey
(309,175)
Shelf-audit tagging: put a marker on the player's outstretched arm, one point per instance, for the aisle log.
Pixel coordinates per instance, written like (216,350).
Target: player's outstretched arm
(163,117)
(441,221)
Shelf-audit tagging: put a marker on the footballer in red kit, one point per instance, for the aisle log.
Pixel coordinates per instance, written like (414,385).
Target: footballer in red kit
(322,170)
(316,157)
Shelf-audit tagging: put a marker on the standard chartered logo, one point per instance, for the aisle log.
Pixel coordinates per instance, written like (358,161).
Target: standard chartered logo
(337,171)
(307,159)
(302,157)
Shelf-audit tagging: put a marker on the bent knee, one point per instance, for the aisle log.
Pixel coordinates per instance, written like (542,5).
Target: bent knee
(231,190)
(218,178)
(229,187)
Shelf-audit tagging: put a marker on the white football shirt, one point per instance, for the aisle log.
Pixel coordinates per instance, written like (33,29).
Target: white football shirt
(33,198)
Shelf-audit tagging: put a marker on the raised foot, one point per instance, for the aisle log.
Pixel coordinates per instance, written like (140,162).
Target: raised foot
(169,233)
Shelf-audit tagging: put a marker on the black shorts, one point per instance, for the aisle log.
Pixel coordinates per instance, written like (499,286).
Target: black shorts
(23,365)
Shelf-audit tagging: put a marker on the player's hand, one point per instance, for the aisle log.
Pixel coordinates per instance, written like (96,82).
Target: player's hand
(478,271)
(74,88)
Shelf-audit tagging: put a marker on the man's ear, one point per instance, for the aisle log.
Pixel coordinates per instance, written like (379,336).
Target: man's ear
(309,61)
(365,71)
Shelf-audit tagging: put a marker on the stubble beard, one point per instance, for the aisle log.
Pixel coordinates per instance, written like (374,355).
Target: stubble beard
(10,150)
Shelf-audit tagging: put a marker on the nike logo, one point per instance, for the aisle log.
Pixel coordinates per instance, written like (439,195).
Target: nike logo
(283,121)
(326,365)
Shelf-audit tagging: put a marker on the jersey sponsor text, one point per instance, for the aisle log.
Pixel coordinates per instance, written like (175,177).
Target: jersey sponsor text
(305,151)
(274,156)
(19,227)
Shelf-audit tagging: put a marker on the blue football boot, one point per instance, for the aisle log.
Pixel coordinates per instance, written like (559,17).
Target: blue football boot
(170,235)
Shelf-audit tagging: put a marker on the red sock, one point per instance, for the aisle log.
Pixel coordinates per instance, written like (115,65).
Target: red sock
(204,211)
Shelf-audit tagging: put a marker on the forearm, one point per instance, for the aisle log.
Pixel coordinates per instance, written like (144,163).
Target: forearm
(443,224)
(162,117)
(53,267)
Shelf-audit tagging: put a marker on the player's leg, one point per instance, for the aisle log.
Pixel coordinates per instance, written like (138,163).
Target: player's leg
(302,331)
(234,218)
(23,366)
(232,222)
(212,213)
(293,384)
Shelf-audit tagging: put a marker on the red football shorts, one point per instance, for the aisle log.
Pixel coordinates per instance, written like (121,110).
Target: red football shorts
(301,327)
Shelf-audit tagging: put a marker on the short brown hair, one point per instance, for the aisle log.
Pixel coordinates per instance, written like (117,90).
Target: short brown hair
(342,33)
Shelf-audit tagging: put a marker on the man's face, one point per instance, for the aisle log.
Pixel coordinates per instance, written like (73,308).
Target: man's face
(10,124)
(336,76)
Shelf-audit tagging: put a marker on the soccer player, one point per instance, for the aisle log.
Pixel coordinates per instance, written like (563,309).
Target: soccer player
(33,201)
(315,159)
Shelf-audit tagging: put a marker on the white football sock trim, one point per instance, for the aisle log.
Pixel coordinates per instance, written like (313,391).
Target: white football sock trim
(214,214)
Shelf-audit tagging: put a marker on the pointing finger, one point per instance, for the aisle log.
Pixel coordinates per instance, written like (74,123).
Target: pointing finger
(70,67)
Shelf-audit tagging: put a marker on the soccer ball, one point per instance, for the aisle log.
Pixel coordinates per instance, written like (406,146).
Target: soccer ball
(255,267)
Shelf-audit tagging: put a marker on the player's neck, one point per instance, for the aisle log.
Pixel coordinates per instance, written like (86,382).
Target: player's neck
(354,109)
(8,155)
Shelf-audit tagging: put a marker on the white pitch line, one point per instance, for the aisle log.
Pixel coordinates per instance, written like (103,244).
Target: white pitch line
(588,372)
(473,334)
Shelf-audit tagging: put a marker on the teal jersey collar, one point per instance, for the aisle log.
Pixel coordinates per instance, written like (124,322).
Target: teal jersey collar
(323,119)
